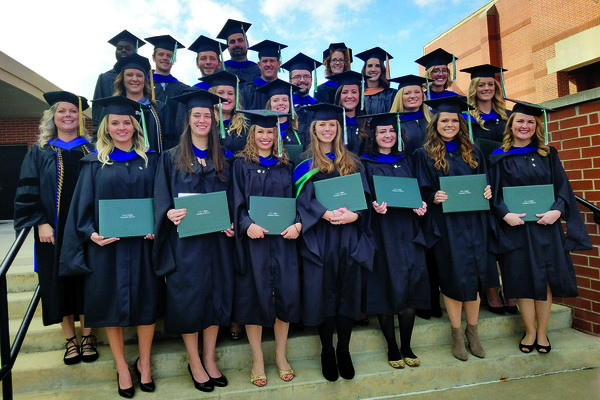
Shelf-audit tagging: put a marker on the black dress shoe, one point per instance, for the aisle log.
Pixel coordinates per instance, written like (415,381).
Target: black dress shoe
(145,387)
(511,309)
(220,381)
(207,386)
(127,393)
(345,363)
(423,313)
(329,365)
(496,310)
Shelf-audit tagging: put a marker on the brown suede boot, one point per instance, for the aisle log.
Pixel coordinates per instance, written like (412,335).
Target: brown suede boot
(458,344)
(473,339)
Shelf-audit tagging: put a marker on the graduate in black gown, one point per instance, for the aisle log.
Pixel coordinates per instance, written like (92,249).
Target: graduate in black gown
(234,33)
(379,96)
(233,126)
(398,283)
(336,246)
(153,115)
(278,92)
(267,282)
(415,114)
(125,44)
(461,250)
(166,86)
(198,269)
(337,58)
(541,268)
(121,288)
(349,95)
(436,68)
(48,177)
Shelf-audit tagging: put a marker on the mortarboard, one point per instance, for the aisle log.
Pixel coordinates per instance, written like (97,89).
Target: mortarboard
(126,36)
(268,48)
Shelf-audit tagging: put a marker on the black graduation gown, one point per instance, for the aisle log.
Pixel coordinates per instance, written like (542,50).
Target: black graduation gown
(121,288)
(105,87)
(247,71)
(544,257)
(165,95)
(399,279)
(494,127)
(251,99)
(198,270)
(159,124)
(326,92)
(333,257)
(355,143)
(233,141)
(461,253)
(35,204)
(266,267)
(414,133)
(380,102)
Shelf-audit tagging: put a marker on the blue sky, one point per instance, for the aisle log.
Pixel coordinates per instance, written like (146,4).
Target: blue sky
(66,41)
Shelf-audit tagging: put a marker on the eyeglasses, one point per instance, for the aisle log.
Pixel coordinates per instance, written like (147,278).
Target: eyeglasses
(337,60)
(299,77)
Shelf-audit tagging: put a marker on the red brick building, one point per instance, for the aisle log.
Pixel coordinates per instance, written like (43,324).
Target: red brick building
(552,53)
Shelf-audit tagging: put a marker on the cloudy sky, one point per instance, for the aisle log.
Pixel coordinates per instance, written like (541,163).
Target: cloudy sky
(66,41)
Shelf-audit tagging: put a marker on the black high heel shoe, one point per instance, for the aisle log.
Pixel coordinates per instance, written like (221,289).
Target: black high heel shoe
(145,387)
(221,381)
(127,393)
(207,386)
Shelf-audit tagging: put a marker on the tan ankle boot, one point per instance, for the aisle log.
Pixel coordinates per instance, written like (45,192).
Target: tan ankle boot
(458,344)
(473,339)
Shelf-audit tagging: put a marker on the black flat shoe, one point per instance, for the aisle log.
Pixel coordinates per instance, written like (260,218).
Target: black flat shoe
(207,386)
(345,363)
(72,348)
(546,349)
(329,364)
(220,381)
(89,344)
(127,393)
(145,387)
(526,348)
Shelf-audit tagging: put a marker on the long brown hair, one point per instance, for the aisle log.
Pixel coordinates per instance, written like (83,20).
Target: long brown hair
(436,149)
(121,91)
(537,139)
(382,81)
(344,162)
(186,158)
(250,152)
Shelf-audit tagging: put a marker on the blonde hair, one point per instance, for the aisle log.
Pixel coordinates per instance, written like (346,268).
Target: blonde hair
(436,149)
(48,129)
(344,162)
(498,103)
(398,104)
(537,138)
(238,123)
(121,91)
(293,121)
(250,151)
(449,81)
(105,145)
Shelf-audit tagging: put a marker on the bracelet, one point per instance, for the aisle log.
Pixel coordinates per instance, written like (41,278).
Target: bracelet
(297,230)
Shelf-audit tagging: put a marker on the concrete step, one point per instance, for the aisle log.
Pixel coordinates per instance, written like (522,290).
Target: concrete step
(21,279)
(426,332)
(38,376)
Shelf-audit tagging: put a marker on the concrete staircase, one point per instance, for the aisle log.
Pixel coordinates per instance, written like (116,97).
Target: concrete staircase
(39,372)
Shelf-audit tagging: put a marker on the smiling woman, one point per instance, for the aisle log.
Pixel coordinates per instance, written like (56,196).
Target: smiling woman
(378,94)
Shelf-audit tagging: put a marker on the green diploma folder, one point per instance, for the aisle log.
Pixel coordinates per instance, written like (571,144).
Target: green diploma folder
(274,214)
(126,217)
(340,192)
(531,200)
(465,193)
(293,150)
(397,191)
(206,213)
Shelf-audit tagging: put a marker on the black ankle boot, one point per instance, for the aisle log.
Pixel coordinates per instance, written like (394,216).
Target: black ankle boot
(345,363)
(329,365)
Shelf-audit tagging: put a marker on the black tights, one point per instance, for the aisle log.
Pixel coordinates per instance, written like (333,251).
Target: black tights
(406,322)
(344,331)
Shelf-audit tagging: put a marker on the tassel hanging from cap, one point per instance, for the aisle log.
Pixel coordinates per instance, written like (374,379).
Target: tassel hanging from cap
(345,133)
(399,136)
(80,117)
(143,120)
(174,56)
(153,95)
(387,67)
(545,127)
(291,103)
(502,81)
(469,122)
(453,67)
(315,77)
(221,127)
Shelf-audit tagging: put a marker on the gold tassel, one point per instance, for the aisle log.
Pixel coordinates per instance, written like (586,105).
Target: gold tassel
(153,96)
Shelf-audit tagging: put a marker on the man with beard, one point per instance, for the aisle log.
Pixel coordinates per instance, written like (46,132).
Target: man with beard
(125,44)
(269,56)
(301,68)
(234,33)
(209,58)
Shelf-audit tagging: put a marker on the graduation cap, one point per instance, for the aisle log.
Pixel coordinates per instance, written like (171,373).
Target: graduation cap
(166,42)
(534,110)
(118,105)
(126,36)
(338,47)
(267,119)
(268,48)
(204,43)
(324,111)
(233,26)
(486,71)
(386,119)
(134,61)
(438,57)
(78,101)
(410,80)
(303,62)
(375,52)
(451,104)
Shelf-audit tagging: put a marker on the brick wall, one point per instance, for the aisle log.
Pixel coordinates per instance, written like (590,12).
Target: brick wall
(25,130)
(575,133)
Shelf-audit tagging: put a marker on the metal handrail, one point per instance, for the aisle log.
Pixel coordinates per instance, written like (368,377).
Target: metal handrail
(592,207)
(8,354)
